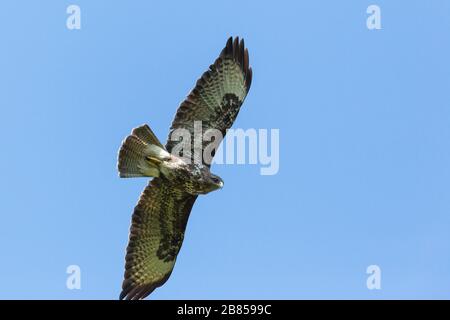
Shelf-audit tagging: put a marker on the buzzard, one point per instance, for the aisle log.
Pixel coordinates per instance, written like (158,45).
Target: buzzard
(161,214)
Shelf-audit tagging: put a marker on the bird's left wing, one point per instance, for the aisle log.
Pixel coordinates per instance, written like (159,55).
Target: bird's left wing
(216,99)
(156,234)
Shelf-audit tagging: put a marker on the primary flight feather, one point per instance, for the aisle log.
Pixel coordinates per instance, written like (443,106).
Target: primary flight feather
(160,217)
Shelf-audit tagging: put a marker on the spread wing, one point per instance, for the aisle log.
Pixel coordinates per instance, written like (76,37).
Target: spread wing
(160,217)
(156,234)
(216,98)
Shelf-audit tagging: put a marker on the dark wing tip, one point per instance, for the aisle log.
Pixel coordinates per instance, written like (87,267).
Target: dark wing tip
(236,50)
(136,292)
(248,79)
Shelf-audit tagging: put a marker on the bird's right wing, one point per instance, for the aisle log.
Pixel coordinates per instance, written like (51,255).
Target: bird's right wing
(215,100)
(156,234)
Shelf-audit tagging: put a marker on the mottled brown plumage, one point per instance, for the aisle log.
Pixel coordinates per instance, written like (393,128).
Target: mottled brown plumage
(160,217)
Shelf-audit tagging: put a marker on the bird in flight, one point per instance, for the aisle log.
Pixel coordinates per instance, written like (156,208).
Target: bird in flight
(161,214)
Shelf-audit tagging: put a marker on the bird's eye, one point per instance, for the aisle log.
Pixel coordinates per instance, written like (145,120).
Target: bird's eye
(215,180)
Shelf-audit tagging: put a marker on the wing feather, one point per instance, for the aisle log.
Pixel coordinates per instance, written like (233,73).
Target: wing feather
(217,96)
(160,217)
(156,235)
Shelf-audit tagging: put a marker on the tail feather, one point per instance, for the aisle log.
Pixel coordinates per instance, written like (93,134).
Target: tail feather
(140,154)
(146,134)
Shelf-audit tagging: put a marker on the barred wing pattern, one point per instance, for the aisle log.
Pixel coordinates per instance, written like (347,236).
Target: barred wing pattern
(160,217)
(216,98)
(156,234)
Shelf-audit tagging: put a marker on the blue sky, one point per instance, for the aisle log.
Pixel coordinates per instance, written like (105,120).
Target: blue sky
(364,119)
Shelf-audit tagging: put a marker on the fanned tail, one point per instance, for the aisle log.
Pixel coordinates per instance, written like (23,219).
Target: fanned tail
(141,154)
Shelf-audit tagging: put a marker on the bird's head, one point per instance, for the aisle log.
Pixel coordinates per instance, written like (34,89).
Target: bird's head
(209,181)
(215,182)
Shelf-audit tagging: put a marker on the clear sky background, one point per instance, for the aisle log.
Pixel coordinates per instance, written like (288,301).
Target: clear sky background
(364,119)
